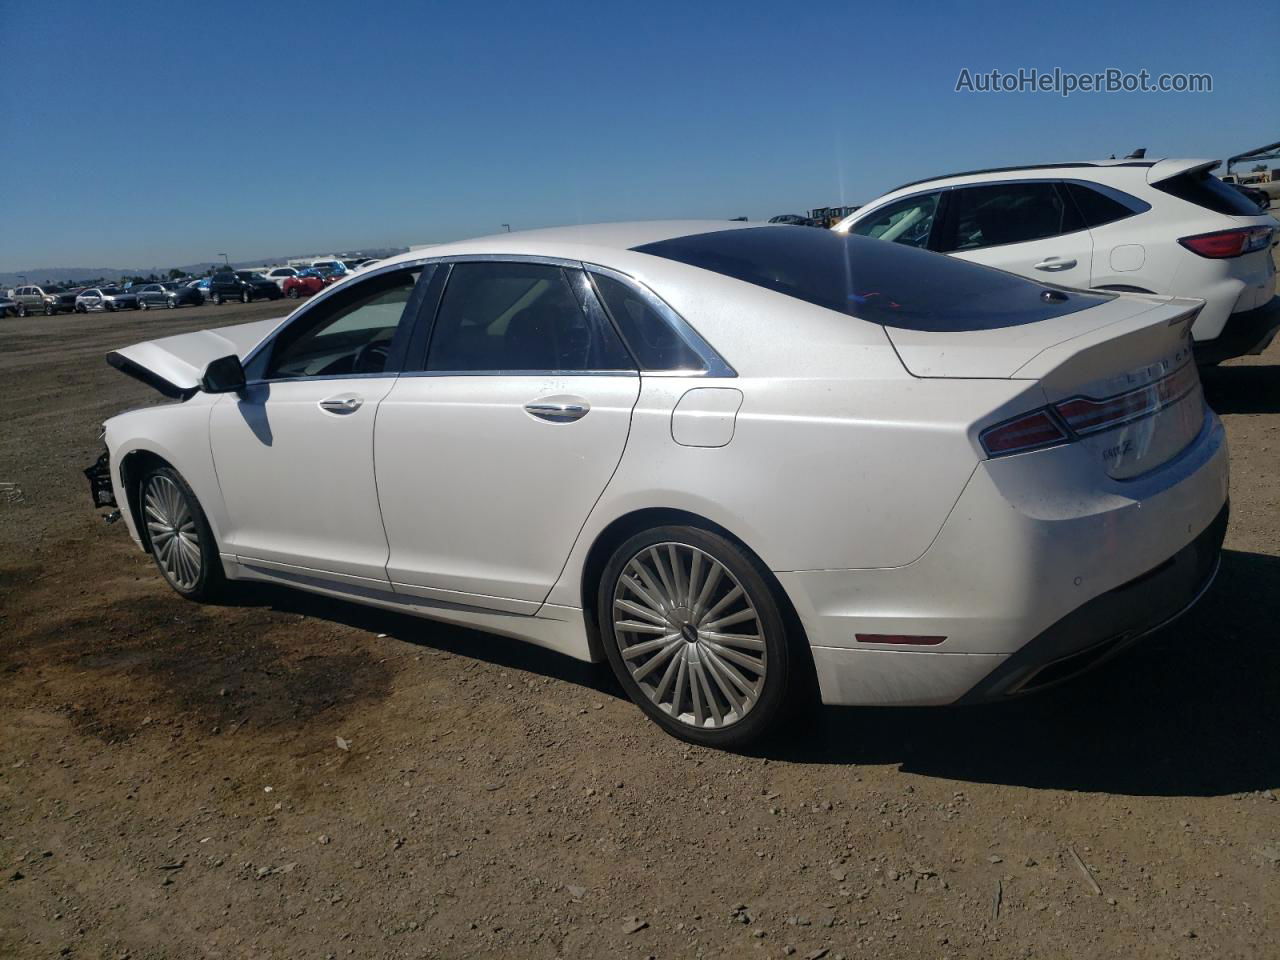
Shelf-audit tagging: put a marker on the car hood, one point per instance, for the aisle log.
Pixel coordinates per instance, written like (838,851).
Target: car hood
(174,365)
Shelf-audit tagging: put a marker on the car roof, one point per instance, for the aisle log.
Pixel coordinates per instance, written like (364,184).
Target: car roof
(571,242)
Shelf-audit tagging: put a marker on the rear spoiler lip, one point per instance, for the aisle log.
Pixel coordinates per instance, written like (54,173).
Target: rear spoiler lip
(150,377)
(1167,169)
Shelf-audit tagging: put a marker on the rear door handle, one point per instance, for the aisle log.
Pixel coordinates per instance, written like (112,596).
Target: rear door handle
(1055,263)
(558,411)
(345,404)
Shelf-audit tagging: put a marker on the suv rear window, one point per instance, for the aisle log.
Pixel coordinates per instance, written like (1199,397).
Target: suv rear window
(1205,190)
(885,283)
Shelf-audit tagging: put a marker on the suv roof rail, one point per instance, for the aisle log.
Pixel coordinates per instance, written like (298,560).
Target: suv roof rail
(1027,166)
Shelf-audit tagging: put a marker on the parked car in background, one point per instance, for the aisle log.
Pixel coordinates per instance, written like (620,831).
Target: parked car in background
(8,305)
(278,275)
(1260,197)
(34,299)
(170,294)
(331,268)
(792,218)
(242,285)
(202,285)
(305,284)
(1135,225)
(105,298)
(580,467)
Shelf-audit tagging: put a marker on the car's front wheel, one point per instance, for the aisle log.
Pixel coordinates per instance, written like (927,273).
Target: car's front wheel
(217,299)
(696,636)
(49,310)
(21,310)
(181,542)
(143,305)
(244,296)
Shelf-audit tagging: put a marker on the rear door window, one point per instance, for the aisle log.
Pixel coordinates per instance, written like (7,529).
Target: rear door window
(519,317)
(994,214)
(908,221)
(881,283)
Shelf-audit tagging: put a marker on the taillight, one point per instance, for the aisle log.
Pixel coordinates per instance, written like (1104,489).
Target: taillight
(1069,420)
(1030,431)
(1223,244)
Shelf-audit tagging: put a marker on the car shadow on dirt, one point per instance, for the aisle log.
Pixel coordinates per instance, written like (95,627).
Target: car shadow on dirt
(459,641)
(1191,711)
(1242,389)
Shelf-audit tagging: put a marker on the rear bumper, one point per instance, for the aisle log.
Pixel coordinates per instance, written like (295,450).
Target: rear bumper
(1245,333)
(1032,540)
(1106,625)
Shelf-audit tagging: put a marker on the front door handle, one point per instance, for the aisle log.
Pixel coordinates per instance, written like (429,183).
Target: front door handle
(1053,264)
(557,410)
(345,404)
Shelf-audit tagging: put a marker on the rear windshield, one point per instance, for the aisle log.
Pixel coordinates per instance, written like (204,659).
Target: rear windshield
(876,281)
(1205,190)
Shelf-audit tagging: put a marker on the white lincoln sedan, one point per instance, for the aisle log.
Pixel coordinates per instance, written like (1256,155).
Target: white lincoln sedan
(746,465)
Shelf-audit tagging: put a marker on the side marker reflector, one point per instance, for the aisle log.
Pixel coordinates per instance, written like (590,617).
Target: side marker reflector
(909,639)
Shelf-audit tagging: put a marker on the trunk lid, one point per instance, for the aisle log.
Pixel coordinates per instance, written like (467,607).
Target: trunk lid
(1120,375)
(1130,390)
(174,365)
(1008,352)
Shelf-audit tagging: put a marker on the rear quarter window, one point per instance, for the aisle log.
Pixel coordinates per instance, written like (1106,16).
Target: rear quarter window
(884,283)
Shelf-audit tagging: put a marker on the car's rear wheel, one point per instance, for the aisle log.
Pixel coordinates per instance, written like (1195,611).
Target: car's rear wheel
(49,310)
(293,293)
(181,542)
(217,299)
(143,305)
(244,296)
(696,636)
(172,303)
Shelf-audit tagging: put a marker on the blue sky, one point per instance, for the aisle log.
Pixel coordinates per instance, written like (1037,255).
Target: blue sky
(155,133)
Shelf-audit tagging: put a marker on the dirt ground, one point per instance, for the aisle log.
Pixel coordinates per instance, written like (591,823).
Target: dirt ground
(172,783)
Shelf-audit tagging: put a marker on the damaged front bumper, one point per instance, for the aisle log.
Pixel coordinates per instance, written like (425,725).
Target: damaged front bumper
(99,476)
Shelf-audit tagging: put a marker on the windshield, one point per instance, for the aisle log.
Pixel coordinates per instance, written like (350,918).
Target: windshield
(884,283)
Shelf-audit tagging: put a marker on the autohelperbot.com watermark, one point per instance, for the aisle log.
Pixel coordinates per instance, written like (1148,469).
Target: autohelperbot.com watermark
(1065,82)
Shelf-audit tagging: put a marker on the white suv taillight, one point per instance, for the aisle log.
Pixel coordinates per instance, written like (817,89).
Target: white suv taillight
(1223,244)
(1078,417)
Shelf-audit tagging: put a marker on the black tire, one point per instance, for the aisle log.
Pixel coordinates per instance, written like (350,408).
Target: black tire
(211,581)
(49,310)
(172,303)
(245,296)
(781,684)
(143,305)
(21,310)
(217,299)
(293,293)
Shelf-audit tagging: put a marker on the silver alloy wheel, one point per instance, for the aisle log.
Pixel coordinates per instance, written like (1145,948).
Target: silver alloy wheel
(175,541)
(689,635)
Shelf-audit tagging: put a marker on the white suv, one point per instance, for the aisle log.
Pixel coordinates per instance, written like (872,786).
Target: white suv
(1152,226)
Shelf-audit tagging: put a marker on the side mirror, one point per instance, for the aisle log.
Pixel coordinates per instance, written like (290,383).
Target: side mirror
(224,375)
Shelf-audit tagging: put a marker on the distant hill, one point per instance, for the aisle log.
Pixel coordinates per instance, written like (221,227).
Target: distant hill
(61,275)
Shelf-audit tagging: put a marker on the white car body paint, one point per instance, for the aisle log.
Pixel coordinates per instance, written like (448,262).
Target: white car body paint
(844,454)
(1138,251)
